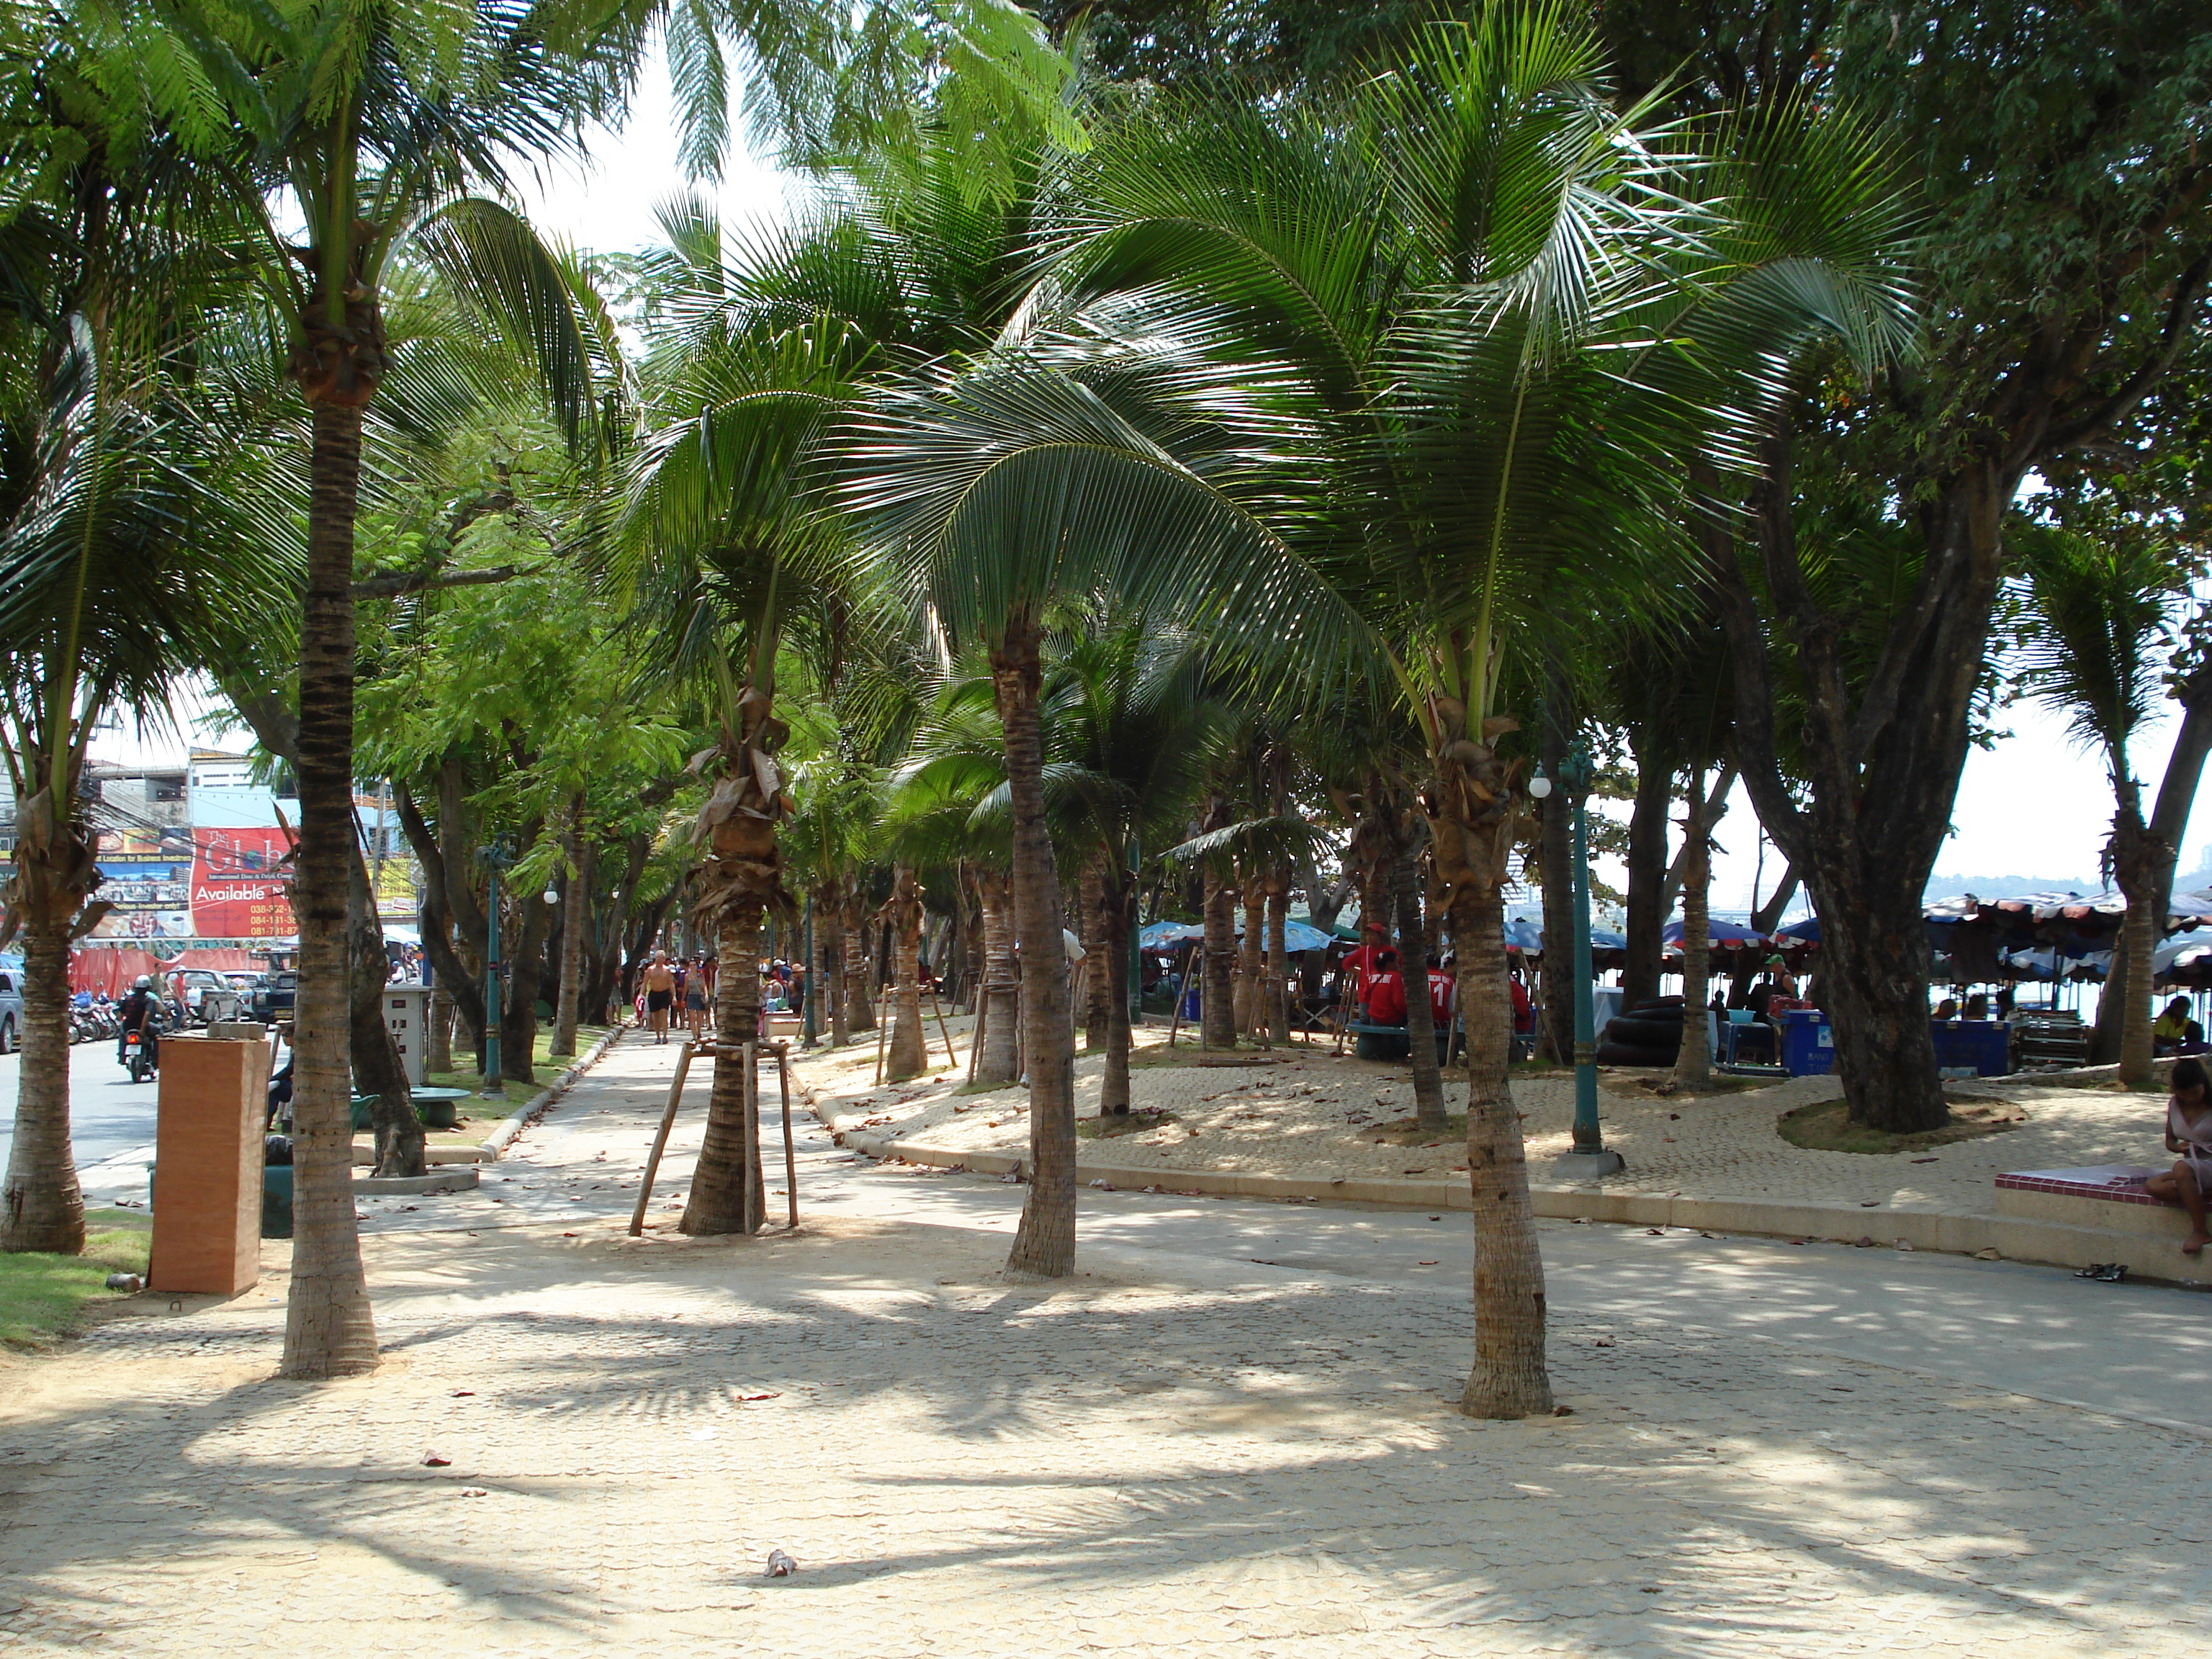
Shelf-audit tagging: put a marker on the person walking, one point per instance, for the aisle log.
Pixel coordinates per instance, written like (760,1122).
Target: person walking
(659,994)
(695,998)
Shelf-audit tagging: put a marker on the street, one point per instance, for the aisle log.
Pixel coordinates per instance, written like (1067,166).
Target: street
(110,1117)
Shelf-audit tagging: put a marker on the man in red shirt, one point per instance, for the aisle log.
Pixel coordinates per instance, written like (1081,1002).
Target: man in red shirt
(1386,991)
(1359,966)
(1441,980)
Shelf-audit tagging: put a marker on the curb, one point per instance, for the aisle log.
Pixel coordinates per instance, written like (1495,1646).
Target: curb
(460,1179)
(516,1121)
(1957,1232)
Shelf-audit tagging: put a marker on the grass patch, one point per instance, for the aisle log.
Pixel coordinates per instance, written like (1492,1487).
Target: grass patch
(1827,1128)
(587,1038)
(43,1298)
(1131,1123)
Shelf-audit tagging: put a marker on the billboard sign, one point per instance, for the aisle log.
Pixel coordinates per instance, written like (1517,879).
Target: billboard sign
(237,884)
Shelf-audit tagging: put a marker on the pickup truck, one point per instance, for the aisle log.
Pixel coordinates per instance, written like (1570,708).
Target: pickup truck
(11,1004)
(272,996)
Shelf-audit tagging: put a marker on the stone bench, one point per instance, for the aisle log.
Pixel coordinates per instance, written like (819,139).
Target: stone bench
(2106,1196)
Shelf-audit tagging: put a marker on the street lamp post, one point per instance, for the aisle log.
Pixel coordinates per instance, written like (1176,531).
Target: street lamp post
(496,858)
(1590,1158)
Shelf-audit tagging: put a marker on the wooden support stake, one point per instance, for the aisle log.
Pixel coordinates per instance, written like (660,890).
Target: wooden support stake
(1182,990)
(976,1038)
(950,1059)
(755,1187)
(883,1037)
(660,1141)
(790,1156)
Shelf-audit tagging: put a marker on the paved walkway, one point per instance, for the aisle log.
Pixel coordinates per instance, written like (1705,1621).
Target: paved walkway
(1230,1435)
(1310,1114)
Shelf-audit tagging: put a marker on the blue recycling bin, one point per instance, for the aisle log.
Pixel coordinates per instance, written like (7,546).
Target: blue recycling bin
(1808,1042)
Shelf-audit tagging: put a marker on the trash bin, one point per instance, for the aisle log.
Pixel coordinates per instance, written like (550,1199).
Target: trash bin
(1808,1043)
(1980,1043)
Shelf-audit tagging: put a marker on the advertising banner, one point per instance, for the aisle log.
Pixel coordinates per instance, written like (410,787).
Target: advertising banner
(238,887)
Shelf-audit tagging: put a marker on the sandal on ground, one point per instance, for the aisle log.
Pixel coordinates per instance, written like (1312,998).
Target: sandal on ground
(2105,1273)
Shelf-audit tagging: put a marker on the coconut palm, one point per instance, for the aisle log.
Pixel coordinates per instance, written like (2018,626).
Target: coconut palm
(130,548)
(1448,287)
(2105,610)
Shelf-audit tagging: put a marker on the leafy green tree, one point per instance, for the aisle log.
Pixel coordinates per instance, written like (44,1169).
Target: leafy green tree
(2058,157)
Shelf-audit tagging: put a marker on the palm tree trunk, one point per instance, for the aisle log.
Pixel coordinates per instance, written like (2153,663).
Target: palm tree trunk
(831,920)
(1279,957)
(1252,1015)
(1693,1063)
(329,1330)
(1420,1023)
(2137,857)
(1000,1000)
(42,1206)
(859,1006)
(1508,1379)
(908,1051)
(1091,906)
(727,1161)
(378,1069)
(1647,877)
(1116,917)
(1217,1002)
(1044,1243)
(575,923)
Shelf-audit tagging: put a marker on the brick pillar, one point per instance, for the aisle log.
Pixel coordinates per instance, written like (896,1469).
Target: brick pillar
(207,1170)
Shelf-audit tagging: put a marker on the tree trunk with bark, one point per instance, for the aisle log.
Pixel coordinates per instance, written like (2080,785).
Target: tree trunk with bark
(378,1068)
(1647,877)
(1097,986)
(329,1330)
(1251,956)
(1118,920)
(740,881)
(575,923)
(2136,857)
(1044,1241)
(907,1053)
(860,1001)
(1420,1025)
(1694,1064)
(42,1207)
(1218,993)
(830,921)
(1473,812)
(438,1040)
(518,1024)
(1000,995)
(1278,964)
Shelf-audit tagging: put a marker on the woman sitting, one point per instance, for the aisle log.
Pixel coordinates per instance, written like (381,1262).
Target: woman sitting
(2174,1033)
(1386,991)
(2188,1132)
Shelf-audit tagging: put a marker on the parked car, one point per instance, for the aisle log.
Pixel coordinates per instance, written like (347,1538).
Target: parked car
(209,997)
(11,1004)
(272,996)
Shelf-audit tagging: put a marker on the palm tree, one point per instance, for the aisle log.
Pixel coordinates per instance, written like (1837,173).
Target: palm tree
(2103,610)
(130,551)
(1448,287)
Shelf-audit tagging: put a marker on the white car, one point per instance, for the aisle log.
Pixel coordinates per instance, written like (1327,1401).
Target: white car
(209,997)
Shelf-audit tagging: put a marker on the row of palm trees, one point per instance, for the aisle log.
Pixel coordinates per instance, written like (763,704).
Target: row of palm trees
(1392,400)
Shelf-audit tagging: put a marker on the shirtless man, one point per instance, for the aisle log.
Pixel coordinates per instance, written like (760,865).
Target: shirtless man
(659,993)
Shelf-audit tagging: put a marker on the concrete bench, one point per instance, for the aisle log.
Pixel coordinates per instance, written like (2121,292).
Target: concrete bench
(2106,1196)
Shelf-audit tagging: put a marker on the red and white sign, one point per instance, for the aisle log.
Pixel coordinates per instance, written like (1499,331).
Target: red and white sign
(238,886)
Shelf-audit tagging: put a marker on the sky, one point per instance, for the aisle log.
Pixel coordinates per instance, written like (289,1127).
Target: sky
(2033,806)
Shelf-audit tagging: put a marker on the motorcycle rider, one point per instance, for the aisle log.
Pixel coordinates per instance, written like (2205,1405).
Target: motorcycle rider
(140,1012)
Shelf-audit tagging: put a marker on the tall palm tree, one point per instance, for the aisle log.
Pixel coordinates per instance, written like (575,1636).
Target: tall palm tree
(1448,286)
(997,495)
(2105,609)
(130,550)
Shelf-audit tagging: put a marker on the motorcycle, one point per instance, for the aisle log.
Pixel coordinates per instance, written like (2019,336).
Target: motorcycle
(142,1052)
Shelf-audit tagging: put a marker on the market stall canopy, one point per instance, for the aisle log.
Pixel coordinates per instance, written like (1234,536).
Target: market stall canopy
(1166,935)
(1720,936)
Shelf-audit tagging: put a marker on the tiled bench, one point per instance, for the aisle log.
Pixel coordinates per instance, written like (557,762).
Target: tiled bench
(2108,1196)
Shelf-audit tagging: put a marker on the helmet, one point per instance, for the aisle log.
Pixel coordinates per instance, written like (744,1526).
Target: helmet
(144,982)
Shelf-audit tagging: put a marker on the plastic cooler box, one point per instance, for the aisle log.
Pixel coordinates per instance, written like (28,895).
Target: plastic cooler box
(1808,1045)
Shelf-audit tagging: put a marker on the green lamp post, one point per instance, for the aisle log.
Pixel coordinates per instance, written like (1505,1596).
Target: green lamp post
(1590,1158)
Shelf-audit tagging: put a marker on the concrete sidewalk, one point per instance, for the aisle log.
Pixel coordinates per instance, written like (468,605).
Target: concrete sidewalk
(1299,1123)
